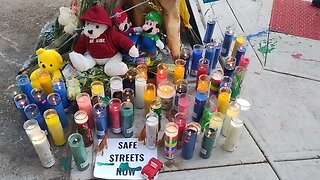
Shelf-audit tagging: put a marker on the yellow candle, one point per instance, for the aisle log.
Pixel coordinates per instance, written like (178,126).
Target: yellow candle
(240,41)
(223,99)
(46,82)
(149,95)
(143,69)
(97,88)
(203,83)
(178,70)
(54,126)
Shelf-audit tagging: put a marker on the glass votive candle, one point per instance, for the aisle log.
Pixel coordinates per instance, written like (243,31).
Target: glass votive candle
(97,89)
(185,54)
(115,115)
(209,54)
(143,70)
(23,82)
(184,103)
(166,91)
(215,82)
(40,99)
(60,88)
(45,81)
(149,95)
(82,123)
(233,134)
(199,105)
(128,95)
(129,80)
(212,103)
(232,112)
(78,150)
(170,139)
(244,62)
(237,82)
(223,99)
(127,119)
(181,120)
(55,102)
(140,83)
(21,101)
(162,74)
(13,90)
(216,121)
(208,141)
(84,103)
(189,140)
(178,70)
(196,56)
(229,67)
(202,69)
(226,81)
(100,116)
(32,112)
(156,107)
(203,83)
(54,126)
(181,87)
(115,85)
(152,130)
(240,41)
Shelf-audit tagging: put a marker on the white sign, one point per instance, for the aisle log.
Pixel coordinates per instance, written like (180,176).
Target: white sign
(124,159)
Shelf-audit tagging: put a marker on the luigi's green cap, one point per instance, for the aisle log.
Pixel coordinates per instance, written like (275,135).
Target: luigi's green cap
(154,16)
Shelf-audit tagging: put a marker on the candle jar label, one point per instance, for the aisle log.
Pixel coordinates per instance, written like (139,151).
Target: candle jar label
(129,130)
(203,151)
(100,133)
(84,164)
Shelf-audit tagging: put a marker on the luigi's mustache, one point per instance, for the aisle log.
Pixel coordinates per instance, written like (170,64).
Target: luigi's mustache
(149,30)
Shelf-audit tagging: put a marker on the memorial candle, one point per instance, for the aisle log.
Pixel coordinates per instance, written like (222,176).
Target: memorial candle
(196,56)
(237,82)
(140,83)
(223,99)
(206,117)
(227,40)
(40,99)
(170,139)
(212,104)
(162,74)
(151,130)
(100,116)
(115,85)
(45,81)
(232,112)
(60,88)
(115,115)
(215,82)
(32,112)
(209,29)
(24,85)
(241,50)
(129,80)
(54,126)
(185,54)
(189,141)
(156,106)
(97,89)
(149,95)
(13,90)
(240,41)
(229,67)
(82,123)
(128,95)
(143,70)
(127,119)
(244,62)
(54,101)
(178,70)
(181,120)
(199,103)
(203,68)
(40,143)
(181,87)
(216,122)
(209,54)
(203,83)
(84,103)
(218,46)
(166,92)
(184,103)
(226,81)
(78,151)
(233,134)
(208,141)
(21,101)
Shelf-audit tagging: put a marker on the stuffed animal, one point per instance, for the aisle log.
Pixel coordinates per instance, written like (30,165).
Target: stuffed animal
(50,61)
(150,39)
(123,24)
(100,43)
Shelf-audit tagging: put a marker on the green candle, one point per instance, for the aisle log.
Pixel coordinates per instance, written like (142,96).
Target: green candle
(78,151)
(156,106)
(205,118)
(208,140)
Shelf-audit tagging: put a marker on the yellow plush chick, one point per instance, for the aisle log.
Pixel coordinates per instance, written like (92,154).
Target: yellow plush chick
(50,61)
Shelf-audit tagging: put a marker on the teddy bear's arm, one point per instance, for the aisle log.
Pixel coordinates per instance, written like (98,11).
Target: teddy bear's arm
(81,44)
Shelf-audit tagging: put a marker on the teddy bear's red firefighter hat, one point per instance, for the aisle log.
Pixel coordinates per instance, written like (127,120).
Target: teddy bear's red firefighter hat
(97,14)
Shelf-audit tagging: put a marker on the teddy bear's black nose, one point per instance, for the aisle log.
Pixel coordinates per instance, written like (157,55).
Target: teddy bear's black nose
(90,31)
(44,66)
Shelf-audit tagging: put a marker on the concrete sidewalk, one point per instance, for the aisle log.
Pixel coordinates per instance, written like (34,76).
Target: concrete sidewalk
(282,129)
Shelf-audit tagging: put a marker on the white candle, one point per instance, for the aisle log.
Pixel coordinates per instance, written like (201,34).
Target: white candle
(42,147)
(233,134)
(140,82)
(115,84)
(216,122)
(232,112)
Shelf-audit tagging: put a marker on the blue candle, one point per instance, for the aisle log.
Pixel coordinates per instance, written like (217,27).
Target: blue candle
(209,54)
(199,103)
(241,50)
(40,99)
(209,30)
(189,142)
(54,101)
(21,101)
(127,119)
(218,46)
(32,112)
(196,56)
(185,54)
(24,84)
(229,67)
(100,116)
(60,88)
(227,42)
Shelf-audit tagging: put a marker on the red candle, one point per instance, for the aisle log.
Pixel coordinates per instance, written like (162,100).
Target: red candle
(244,62)
(161,73)
(183,103)
(203,68)
(181,120)
(115,115)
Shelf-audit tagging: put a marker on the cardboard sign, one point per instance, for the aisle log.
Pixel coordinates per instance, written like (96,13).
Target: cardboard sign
(124,159)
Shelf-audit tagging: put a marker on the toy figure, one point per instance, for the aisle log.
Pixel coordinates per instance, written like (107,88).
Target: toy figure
(100,44)
(123,24)
(152,169)
(150,39)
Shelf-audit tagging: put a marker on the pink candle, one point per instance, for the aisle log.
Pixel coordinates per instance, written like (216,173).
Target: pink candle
(244,62)
(115,115)
(84,103)
(181,120)
(161,73)
(183,103)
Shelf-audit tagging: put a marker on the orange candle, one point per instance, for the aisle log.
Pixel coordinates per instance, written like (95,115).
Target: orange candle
(203,83)
(46,82)
(143,69)
(240,41)
(178,70)
(149,95)
(223,99)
